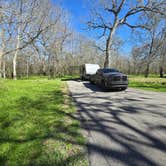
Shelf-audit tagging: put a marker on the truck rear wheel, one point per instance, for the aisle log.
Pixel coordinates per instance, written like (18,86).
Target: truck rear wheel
(103,84)
(124,88)
(92,82)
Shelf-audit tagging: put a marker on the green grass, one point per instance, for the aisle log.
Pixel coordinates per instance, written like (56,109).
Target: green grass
(151,83)
(37,125)
(70,77)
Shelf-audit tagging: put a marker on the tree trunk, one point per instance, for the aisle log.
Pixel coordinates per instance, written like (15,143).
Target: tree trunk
(149,57)
(161,72)
(108,44)
(106,62)
(54,67)
(14,68)
(15,65)
(147,70)
(1,52)
(27,68)
(17,46)
(0,66)
(16,54)
(4,68)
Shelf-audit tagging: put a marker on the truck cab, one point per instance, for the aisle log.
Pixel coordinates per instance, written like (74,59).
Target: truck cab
(110,79)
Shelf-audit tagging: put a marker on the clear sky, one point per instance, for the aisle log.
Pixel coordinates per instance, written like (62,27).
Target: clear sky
(79,11)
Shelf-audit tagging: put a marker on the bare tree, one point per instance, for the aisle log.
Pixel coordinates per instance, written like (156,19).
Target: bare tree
(30,20)
(153,36)
(5,36)
(162,53)
(151,40)
(110,15)
(1,53)
(18,40)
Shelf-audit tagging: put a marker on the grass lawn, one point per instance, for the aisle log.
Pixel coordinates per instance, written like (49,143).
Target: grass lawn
(150,83)
(37,125)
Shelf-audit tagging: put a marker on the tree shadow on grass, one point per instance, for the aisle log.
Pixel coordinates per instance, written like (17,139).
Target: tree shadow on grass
(71,79)
(39,120)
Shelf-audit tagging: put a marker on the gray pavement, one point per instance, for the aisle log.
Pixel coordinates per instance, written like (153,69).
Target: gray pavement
(122,128)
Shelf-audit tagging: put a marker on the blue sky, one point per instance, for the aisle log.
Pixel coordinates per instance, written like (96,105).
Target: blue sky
(79,12)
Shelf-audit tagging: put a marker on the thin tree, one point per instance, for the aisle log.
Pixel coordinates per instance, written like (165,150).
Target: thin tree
(18,41)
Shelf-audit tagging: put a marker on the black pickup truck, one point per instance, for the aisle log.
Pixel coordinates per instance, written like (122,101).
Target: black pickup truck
(110,79)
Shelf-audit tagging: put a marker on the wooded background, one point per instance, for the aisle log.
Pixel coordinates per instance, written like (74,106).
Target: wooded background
(38,38)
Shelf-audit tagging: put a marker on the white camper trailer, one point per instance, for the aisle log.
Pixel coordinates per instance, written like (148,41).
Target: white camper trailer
(87,70)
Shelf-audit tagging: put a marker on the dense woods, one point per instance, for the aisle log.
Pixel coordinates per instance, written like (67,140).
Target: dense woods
(38,38)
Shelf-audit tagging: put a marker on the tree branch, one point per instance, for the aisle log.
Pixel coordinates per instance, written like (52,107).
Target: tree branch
(120,6)
(135,26)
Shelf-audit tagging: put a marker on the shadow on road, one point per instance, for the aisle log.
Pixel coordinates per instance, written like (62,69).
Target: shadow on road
(96,88)
(99,117)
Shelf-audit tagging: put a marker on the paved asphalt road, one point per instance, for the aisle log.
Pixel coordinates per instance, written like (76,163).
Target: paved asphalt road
(122,128)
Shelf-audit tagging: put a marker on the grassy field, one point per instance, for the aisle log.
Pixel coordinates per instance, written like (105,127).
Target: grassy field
(151,83)
(37,126)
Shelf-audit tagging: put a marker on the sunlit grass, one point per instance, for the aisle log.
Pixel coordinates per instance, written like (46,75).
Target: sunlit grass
(37,125)
(150,83)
